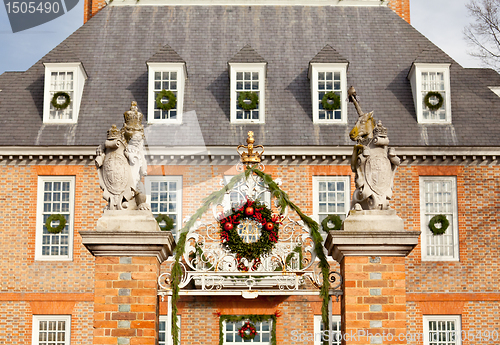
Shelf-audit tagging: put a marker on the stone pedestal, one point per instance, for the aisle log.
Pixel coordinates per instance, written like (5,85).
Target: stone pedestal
(371,249)
(129,248)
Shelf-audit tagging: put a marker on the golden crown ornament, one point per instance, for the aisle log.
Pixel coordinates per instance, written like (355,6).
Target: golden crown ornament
(250,157)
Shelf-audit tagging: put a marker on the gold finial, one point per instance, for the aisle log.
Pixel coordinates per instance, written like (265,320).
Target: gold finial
(250,157)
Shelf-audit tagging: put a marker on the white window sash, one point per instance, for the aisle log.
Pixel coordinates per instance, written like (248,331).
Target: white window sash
(167,320)
(453,228)
(319,335)
(51,318)
(252,341)
(341,68)
(40,222)
(178,180)
(316,193)
(248,67)
(430,339)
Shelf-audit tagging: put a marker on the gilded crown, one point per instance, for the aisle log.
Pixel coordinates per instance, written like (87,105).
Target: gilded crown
(133,118)
(114,133)
(250,157)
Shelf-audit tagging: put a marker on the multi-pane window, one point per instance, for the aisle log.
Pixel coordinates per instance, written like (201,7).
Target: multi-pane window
(438,196)
(331,196)
(51,329)
(328,90)
(247,82)
(232,336)
(165,197)
(67,81)
(329,82)
(247,86)
(62,81)
(320,334)
(166,80)
(434,81)
(430,85)
(55,198)
(165,330)
(442,330)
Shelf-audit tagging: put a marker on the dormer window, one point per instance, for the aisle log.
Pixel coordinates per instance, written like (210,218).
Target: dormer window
(431,92)
(247,72)
(328,76)
(328,90)
(166,92)
(63,91)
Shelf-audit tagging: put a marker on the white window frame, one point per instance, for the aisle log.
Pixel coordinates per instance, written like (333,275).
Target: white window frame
(79,77)
(454,318)
(313,76)
(252,340)
(40,223)
(168,325)
(415,77)
(318,334)
(248,67)
(178,181)
(178,67)
(36,326)
(347,184)
(454,226)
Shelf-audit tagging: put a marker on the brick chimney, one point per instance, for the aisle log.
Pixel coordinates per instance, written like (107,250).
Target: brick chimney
(401,7)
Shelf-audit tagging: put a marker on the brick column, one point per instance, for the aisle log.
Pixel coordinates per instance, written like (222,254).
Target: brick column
(371,250)
(129,248)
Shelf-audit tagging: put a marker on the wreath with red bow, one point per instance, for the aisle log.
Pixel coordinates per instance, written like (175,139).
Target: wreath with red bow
(247,331)
(262,215)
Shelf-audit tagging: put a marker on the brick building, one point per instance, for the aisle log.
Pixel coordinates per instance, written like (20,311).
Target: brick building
(290,53)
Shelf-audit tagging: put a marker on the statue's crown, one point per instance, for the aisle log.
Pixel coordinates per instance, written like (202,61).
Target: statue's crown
(133,118)
(379,130)
(114,133)
(250,157)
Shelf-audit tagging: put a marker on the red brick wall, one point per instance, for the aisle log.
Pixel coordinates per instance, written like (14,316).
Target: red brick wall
(402,8)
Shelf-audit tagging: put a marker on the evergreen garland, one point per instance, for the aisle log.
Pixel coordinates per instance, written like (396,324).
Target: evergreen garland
(284,201)
(63,105)
(252,319)
(431,106)
(54,218)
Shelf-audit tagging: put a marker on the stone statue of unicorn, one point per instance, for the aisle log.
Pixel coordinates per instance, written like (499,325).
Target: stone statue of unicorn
(372,161)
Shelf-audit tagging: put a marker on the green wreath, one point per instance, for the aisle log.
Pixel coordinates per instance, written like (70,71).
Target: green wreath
(431,106)
(335,219)
(63,105)
(172,100)
(53,218)
(247,331)
(252,96)
(325,102)
(169,222)
(439,219)
(232,240)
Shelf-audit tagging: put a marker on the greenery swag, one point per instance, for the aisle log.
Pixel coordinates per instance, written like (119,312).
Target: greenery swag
(330,96)
(252,96)
(169,222)
(56,96)
(247,331)
(258,212)
(54,218)
(252,319)
(334,219)
(284,201)
(172,100)
(431,106)
(439,219)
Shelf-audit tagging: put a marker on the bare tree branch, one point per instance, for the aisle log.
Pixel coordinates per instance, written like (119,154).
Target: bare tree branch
(483,34)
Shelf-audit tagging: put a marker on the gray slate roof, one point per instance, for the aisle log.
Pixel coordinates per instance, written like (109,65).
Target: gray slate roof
(115,44)
(166,54)
(328,55)
(247,55)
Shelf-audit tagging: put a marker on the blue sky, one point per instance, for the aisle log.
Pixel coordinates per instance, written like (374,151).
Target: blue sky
(442,21)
